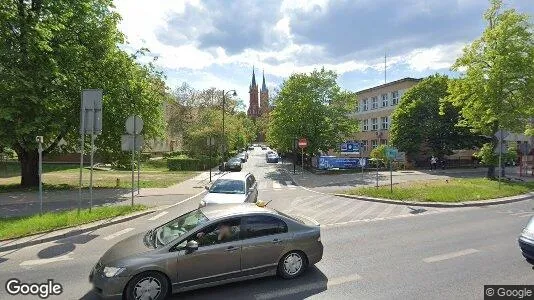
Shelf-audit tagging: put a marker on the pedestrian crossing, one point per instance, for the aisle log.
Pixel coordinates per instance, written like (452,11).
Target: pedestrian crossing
(267,185)
(329,210)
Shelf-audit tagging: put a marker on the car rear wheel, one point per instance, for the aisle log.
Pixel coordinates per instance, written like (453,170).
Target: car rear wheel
(147,286)
(292,264)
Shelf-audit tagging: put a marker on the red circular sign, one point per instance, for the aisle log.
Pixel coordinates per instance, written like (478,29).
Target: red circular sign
(303,143)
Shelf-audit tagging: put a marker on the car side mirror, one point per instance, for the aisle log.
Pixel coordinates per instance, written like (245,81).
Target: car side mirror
(191,246)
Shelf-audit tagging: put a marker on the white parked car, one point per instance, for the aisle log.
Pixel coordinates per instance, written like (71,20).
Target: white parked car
(232,188)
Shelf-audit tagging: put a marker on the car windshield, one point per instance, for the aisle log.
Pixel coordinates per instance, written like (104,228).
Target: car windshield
(234,160)
(530,225)
(165,234)
(228,186)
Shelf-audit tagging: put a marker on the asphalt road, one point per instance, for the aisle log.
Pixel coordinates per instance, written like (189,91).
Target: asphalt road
(372,250)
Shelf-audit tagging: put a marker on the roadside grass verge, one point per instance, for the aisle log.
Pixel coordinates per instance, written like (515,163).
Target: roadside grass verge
(16,227)
(455,190)
(65,177)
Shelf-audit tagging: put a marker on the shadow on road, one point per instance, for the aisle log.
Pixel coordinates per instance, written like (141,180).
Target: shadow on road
(65,246)
(311,282)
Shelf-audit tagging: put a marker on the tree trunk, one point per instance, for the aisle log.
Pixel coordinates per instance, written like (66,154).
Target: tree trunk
(29,168)
(491,172)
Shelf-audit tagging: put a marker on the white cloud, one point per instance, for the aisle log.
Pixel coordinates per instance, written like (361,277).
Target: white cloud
(435,58)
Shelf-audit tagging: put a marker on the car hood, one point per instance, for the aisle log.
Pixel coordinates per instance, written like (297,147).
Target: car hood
(218,198)
(129,246)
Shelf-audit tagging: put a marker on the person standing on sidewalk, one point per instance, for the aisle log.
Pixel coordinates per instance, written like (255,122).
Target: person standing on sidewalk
(433,163)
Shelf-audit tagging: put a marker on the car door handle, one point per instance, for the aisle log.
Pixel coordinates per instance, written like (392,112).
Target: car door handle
(231,249)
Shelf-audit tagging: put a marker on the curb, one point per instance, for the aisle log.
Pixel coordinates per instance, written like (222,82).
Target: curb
(498,201)
(40,238)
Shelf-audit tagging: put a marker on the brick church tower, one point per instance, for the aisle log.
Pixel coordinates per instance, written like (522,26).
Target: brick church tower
(264,98)
(253,106)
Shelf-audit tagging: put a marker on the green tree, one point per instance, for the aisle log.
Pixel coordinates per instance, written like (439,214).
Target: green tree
(418,124)
(379,153)
(311,106)
(49,52)
(495,88)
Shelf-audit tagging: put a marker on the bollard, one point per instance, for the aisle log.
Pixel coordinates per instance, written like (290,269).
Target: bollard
(118,183)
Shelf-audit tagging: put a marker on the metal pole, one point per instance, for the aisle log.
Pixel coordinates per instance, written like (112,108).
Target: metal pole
(377,173)
(390,177)
(40,178)
(209,146)
(224,136)
(91,173)
(82,146)
(138,169)
(302,162)
(500,157)
(133,159)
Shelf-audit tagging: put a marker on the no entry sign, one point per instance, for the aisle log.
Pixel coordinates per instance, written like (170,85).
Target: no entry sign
(303,143)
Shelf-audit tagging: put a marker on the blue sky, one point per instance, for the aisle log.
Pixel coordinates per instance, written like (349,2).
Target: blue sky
(215,43)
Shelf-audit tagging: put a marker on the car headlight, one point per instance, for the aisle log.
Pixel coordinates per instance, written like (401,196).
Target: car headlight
(113,271)
(202,203)
(528,234)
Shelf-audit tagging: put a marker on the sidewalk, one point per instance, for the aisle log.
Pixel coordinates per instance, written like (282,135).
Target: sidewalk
(27,203)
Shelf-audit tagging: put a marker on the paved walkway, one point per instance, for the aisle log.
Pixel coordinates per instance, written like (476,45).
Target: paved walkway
(27,203)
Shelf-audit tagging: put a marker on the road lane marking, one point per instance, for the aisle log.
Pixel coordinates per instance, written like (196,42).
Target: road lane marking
(367,211)
(386,212)
(345,213)
(118,233)
(290,184)
(319,285)
(450,255)
(43,261)
(161,214)
(178,203)
(276,185)
(331,210)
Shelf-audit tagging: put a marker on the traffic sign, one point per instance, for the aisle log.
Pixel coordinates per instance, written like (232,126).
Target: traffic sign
(303,143)
(127,142)
(391,153)
(134,123)
(363,162)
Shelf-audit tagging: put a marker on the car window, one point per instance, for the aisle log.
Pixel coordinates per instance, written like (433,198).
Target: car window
(261,225)
(219,233)
(228,186)
(168,232)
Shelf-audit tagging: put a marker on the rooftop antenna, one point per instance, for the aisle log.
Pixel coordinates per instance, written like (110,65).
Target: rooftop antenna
(385,66)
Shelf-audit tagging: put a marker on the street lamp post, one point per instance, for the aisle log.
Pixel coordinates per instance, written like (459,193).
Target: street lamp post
(234,93)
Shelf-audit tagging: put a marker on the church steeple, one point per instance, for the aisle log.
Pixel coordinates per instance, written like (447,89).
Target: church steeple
(264,86)
(253,84)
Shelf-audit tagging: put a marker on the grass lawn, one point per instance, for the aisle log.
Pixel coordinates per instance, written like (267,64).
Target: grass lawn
(455,190)
(24,226)
(66,176)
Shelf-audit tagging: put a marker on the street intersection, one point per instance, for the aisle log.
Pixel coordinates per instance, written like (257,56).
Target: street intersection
(372,250)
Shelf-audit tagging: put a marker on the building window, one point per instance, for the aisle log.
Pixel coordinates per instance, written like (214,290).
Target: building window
(365,104)
(374,143)
(383,142)
(395,98)
(374,102)
(385,123)
(365,125)
(384,100)
(374,124)
(364,145)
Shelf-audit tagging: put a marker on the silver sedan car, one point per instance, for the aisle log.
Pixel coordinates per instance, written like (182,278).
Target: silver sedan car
(206,247)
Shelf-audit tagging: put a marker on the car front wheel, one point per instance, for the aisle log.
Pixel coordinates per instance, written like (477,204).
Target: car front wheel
(292,264)
(148,285)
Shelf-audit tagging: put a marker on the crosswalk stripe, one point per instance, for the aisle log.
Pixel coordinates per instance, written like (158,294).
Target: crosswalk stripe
(335,208)
(367,211)
(45,260)
(161,214)
(276,185)
(118,233)
(349,211)
(389,209)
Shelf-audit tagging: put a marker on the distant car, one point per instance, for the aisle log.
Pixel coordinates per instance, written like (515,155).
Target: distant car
(207,247)
(234,164)
(272,158)
(232,188)
(263,148)
(242,156)
(526,241)
(251,148)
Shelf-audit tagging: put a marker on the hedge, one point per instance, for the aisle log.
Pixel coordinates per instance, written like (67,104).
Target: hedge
(190,164)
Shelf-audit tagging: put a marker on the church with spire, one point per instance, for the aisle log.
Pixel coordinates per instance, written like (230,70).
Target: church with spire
(258,107)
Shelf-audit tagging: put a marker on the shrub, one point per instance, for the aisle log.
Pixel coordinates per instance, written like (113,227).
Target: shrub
(183,163)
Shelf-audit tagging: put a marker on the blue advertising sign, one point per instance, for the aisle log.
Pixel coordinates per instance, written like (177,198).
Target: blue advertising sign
(350,148)
(330,162)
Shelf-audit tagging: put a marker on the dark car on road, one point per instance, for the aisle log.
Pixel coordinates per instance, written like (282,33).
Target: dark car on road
(234,164)
(263,148)
(206,247)
(272,157)
(242,156)
(526,241)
